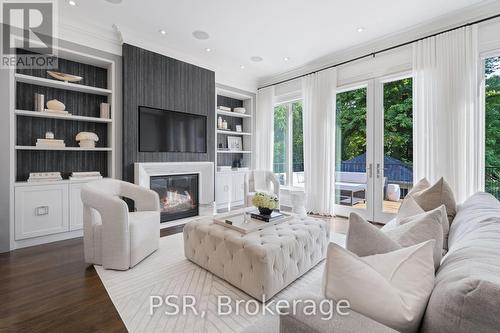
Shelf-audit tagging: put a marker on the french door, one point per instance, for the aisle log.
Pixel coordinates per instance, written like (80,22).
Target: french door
(374,147)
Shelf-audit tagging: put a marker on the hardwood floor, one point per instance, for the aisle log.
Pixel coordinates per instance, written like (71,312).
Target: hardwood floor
(49,288)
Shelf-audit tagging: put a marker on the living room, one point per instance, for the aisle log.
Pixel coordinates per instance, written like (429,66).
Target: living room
(231,166)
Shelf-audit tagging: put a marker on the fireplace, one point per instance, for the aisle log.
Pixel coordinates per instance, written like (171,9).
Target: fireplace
(178,195)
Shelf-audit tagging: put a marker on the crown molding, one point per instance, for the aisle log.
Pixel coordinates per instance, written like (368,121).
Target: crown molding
(472,13)
(110,38)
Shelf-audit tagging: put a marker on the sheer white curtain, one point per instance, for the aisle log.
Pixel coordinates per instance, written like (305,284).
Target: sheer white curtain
(264,130)
(448,120)
(319,98)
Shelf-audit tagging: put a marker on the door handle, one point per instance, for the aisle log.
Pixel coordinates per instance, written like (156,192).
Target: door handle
(378,170)
(370,170)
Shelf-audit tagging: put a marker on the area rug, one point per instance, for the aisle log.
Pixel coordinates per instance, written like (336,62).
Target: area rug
(168,272)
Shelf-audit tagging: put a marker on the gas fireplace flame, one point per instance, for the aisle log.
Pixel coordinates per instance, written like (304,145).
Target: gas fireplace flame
(175,201)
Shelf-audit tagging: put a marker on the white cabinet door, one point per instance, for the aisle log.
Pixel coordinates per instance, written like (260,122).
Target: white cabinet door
(238,186)
(41,210)
(223,188)
(75,207)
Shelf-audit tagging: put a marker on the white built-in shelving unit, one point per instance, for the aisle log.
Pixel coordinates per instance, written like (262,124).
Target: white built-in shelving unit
(42,212)
(229,184)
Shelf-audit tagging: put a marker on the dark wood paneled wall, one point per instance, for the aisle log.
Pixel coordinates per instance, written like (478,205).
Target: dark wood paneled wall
(28,129)
(228,159)
(91,75)
(154,80)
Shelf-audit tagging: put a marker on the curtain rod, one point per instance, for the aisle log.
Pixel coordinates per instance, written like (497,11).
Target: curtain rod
(373,54)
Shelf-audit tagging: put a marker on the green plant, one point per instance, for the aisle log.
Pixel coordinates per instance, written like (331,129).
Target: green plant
(265,200)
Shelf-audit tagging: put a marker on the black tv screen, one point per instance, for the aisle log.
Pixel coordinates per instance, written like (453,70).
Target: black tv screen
(171,131)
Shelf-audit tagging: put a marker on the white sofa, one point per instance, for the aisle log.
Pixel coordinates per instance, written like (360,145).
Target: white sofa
(112,236)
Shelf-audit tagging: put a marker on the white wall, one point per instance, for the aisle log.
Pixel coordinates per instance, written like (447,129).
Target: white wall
(392,62)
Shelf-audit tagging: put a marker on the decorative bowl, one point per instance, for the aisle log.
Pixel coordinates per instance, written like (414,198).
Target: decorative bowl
(64,77)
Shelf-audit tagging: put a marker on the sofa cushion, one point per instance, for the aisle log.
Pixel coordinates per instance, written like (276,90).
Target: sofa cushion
(421,185)
(391,288)
(438,194)
(467,288)
(365,239)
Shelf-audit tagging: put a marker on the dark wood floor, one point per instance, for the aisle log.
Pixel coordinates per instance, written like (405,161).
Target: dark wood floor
(49,288)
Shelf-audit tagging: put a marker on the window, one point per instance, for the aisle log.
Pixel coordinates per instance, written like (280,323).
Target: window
(492,123)
(288,161)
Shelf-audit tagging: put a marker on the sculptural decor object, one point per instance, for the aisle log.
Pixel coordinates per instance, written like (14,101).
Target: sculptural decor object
(55,105)
(64,77)
(87,139)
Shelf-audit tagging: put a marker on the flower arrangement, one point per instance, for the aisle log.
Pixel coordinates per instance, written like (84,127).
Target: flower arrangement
(265,202)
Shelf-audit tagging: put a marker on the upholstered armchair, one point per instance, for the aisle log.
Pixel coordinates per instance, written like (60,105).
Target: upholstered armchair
(112,236)
(260,181)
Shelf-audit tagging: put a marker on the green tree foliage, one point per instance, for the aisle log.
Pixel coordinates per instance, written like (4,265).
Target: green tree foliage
(492,149)
(398,120)
(280,129)
(351,124)
(280,137)
(298,137)
(398,124)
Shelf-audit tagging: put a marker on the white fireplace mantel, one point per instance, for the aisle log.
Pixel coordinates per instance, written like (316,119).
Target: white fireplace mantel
(143,172)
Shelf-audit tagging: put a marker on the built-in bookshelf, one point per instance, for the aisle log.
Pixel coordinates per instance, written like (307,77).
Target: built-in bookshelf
(46,211)
(225,156)
(82,100)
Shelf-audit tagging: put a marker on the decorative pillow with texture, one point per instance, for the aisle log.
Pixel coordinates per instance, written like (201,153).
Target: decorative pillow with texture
(438,194)
(409,207)
(422,184)
(365,239)
(391,288)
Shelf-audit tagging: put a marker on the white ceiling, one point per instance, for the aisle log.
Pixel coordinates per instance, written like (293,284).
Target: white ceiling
(272,29)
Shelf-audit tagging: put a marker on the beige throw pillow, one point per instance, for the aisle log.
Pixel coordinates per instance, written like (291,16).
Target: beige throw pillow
(438,194)
(365,239)
(391,288)
(422,184)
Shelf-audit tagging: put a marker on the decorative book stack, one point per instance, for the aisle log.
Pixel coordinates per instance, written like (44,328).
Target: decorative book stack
(66,113)
(224,108)
(85,175)
(267,218)
(50,143)
(44,177)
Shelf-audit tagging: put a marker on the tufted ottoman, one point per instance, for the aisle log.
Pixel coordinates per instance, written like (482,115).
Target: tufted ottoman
(260,263)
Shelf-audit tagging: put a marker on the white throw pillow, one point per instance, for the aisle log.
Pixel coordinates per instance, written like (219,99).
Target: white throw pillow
(391,288)
(365,239)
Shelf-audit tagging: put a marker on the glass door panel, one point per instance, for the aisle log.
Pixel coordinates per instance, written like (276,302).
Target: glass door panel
(280,142)
(398,143)
(492,126)
(297,145)
(351,154)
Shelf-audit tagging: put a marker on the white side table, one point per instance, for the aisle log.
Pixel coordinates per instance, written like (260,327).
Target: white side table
(298,199)
(393,192)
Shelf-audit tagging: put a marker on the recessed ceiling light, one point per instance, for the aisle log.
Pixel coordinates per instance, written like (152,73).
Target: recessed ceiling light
(208,49)
(163,32)
(256,59)
(115,2)
(286,58)
(360,29)
(242,66)
(198,34)
(72,3)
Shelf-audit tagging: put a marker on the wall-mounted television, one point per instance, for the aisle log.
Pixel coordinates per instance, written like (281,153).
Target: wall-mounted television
(171,131)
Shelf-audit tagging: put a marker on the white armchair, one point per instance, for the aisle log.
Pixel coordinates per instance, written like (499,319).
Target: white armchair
(112,236)
(260,181)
